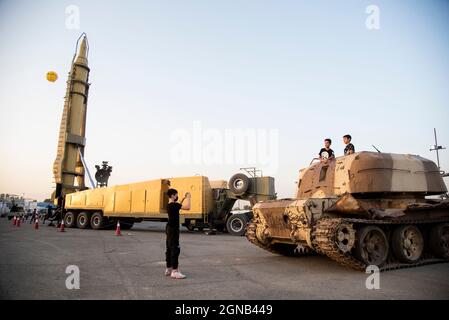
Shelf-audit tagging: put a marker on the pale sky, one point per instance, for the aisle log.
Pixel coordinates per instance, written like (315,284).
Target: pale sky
(296,71)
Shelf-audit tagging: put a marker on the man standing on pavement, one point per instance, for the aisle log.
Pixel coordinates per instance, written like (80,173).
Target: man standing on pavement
(33,216)
(48,214)
(172,232)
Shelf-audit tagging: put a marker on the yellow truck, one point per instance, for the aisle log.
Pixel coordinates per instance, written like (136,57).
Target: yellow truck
(211,204)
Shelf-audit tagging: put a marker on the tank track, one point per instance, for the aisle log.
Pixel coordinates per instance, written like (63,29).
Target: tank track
(251,236)
(324,242)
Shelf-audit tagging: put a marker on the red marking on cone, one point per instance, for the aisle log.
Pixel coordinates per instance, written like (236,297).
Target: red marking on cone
(18,222)
(14,221)
(36,224)
(117,230)
(61,229)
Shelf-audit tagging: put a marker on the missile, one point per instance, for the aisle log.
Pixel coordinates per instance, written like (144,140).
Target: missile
(68,169)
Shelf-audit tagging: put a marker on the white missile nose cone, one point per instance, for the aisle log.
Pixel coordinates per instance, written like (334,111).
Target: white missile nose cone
(81,57)
(82,52)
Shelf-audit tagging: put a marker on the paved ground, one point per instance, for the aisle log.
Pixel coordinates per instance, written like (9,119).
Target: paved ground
(33,264)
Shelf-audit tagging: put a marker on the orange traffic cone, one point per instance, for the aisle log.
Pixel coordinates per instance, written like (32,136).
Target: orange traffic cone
(18,222)
(36,224)
(14,221)
(61,228)
(117,230)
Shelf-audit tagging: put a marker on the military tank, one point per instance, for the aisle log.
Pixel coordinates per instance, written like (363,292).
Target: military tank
(363,209)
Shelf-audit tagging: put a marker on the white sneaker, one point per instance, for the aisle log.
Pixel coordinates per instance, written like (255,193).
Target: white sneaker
(175,274)
(168,271)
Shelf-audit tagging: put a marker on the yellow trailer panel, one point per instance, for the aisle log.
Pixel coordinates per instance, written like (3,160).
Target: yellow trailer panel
(144,199)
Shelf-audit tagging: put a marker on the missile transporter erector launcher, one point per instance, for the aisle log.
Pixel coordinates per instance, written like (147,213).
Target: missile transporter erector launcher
(102,206)
(68,168)
(359,210)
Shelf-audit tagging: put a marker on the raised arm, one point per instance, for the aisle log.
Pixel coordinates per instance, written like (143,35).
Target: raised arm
(185,202)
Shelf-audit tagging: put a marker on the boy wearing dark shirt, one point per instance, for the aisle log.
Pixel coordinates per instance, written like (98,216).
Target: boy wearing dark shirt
(326,153)
(349,149)
(172,232)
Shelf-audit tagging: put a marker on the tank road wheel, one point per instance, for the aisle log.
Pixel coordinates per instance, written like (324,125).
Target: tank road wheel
(236,224)
(345,237)
(239,184)
(439,240)
(83,221)
(70,219)
(98,221)
(371,246)
(407,243)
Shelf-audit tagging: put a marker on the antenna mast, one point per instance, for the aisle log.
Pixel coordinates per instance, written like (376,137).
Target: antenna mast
(436,147)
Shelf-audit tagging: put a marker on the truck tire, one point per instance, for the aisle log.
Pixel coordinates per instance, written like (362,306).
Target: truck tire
(70,219)
(236,224)
(83,220)
(98,221)
(239,184)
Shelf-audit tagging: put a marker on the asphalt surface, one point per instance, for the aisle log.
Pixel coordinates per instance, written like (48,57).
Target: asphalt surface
(33,265)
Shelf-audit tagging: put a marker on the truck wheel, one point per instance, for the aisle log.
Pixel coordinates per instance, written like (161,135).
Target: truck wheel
(83,220)
(439,240)
(407,243)
(236,224)
(239,184)
(70,220)
(97,221)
